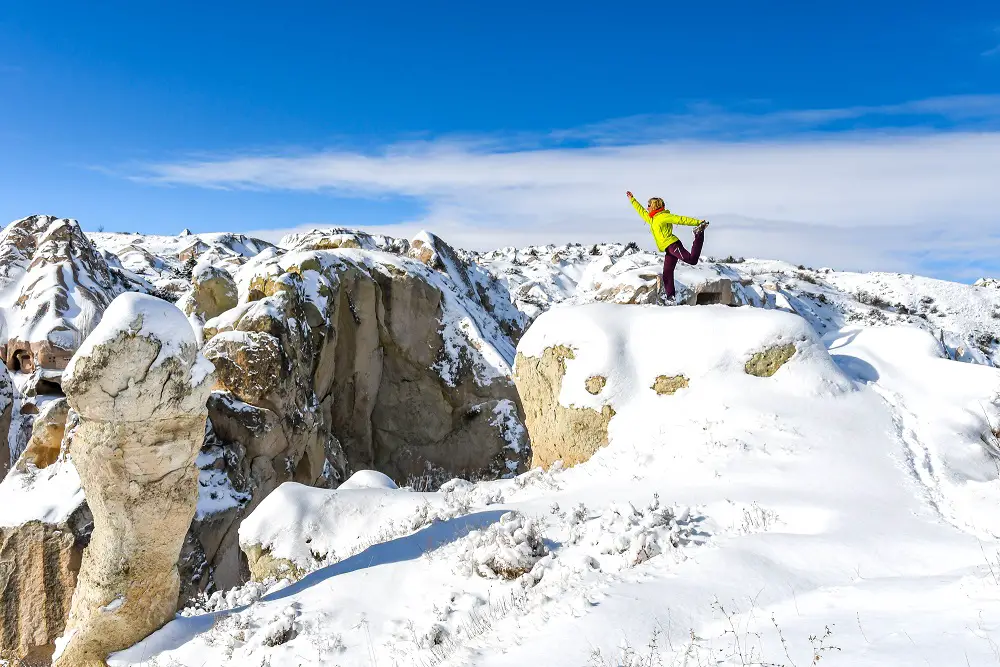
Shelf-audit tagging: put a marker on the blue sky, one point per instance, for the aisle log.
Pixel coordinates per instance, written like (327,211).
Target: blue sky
(860,135)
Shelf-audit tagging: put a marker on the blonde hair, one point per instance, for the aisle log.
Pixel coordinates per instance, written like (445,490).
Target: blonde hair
(655,203)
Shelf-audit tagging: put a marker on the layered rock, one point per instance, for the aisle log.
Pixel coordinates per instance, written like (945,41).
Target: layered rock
(139,385)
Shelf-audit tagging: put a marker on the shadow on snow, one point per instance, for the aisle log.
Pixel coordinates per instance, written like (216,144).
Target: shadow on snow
(410,547)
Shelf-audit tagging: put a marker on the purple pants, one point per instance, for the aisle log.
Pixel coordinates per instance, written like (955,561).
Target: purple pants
(676,252)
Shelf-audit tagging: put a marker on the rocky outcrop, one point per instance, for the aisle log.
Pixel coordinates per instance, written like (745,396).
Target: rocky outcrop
(39,563)
(558,432)
(213,292)
(369,364)
(474,281)
(668,385)
(63,285)
(139,385)
(766,363)
(336,361)
(711,292)
(6,411)
(338,237)
(46,436)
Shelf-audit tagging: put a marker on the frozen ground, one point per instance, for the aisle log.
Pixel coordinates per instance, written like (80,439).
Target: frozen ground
(843,508)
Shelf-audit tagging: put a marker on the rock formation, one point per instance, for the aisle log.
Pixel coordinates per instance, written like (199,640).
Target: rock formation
(39,562)
(44,527)
(336,361)
(6,410)
(213,292)
(558,432)
(709,292)
(766,363)
(139,385)
(63,285)
(46,436)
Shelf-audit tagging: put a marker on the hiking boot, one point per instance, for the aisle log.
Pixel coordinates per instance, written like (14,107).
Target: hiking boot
(700,229)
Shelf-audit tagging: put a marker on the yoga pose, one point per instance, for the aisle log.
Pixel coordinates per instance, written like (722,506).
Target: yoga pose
(661,222)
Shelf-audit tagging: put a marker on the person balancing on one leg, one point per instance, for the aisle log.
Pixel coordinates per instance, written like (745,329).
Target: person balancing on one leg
(661,222)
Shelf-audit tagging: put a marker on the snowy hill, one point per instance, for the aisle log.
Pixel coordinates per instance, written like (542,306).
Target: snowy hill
(740,520)
(813,473)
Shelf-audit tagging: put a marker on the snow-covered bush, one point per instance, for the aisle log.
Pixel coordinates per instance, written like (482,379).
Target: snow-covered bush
(504,550)
(637,534)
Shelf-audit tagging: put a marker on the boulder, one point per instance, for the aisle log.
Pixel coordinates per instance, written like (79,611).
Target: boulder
(44,527)
(139,386)
(213,292)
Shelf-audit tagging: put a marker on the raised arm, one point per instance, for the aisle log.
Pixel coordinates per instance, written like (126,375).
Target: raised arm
(683,220)
(640,209)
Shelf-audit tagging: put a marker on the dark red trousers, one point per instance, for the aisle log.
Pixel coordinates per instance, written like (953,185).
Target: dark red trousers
(676,251)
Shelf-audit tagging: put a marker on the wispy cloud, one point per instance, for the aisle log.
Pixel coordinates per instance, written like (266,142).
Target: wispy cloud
(757,121)
(889,200)
(995,51)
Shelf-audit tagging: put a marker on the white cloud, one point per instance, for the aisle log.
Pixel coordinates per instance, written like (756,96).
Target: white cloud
(915,202)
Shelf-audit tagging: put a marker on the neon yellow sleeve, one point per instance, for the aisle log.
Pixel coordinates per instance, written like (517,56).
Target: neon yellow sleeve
(641,210)
(683,220)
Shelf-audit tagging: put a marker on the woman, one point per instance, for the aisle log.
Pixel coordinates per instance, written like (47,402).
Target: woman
(661,222)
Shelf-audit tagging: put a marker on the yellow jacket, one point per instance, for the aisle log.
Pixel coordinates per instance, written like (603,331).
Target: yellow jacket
(662,224)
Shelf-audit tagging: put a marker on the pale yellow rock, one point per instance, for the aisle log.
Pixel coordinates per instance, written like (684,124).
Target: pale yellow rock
(595,384)
(141,426)
(46,436)
(213,293)
(669,384)
(558,432)
(264,566)
(767,362)
(39,563)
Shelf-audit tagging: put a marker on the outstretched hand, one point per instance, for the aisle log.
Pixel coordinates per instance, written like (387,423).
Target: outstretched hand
(629,194)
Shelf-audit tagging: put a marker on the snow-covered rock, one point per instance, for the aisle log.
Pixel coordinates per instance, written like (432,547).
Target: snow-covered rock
(299,528)
(628,350)
(54,286)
